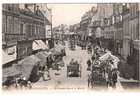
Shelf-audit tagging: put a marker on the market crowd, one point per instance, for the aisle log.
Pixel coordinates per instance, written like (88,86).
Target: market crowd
(102,66)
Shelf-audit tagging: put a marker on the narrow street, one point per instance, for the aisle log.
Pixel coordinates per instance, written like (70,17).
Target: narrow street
(101,49)
(61,81)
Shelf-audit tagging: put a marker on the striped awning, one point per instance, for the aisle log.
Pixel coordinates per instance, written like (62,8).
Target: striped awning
(39,44)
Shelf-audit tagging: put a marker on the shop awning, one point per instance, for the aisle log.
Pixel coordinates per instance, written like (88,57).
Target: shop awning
(36,46)
(27,64)
(39,44)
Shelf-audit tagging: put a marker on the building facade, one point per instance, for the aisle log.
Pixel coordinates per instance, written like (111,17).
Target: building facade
(133,58)
(104,18)
(85,22)
(118,28)
(21,25)
(10,32)
(126,31)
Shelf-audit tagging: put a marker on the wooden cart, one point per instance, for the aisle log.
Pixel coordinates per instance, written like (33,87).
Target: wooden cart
(74,70)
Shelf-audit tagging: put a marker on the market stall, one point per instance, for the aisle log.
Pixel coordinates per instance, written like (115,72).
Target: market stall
(58,51)
(43,57)
(10,72)
(109,56)
(104,67)
(29,67)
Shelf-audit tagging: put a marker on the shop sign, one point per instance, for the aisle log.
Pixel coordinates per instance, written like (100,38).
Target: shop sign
(11,50)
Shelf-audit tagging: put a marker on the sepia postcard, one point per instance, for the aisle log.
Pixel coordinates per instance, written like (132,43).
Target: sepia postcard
(72,46)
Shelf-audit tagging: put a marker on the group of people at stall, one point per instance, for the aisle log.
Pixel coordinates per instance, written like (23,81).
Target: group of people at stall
(106,63)
(34,67)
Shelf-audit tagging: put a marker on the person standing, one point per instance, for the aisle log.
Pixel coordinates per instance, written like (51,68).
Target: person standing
(89,64)
(114,77)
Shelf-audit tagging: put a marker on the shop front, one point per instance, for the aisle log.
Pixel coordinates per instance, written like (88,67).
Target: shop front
(24,49)
(9,55)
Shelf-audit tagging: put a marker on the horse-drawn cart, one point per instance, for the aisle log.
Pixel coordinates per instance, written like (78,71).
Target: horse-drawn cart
(98,76)
(104,70)
(74,70)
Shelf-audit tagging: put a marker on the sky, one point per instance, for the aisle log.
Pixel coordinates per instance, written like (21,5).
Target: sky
(68,13)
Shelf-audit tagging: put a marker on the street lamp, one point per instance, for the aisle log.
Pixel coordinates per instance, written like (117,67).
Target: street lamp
(52,40)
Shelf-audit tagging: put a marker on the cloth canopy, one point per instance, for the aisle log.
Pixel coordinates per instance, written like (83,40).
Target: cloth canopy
(27,64)
(105,56)
(42,56)
(71,33)
(109,56)
(10,71)
(57,49)
(39,44)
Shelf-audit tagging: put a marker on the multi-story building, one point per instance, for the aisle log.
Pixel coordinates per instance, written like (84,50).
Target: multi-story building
(10,32)
(48,21)
(118,27)
(134,38)
(126,31)
(33,26)
(85,22)
(101,23)
(107,25)
(131,15)
(22,24)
